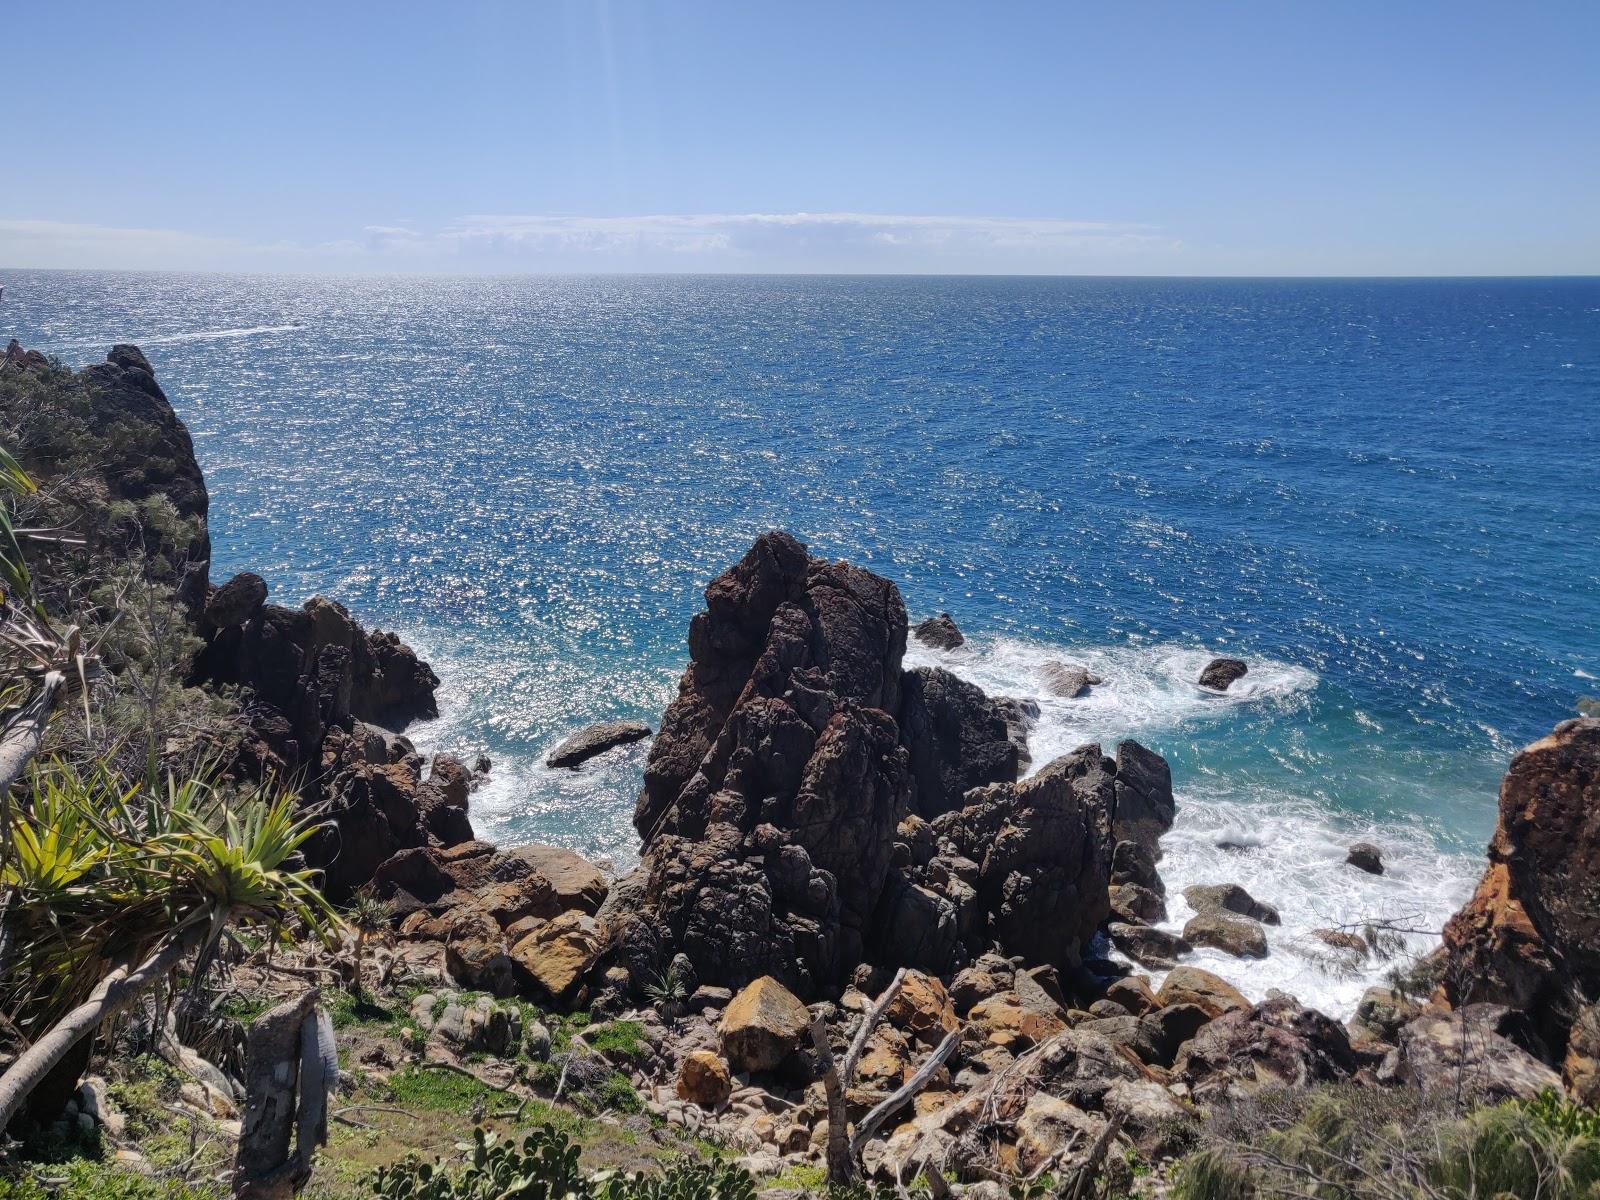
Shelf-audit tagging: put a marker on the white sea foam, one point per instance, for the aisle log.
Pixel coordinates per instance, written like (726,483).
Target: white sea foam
(1285,850)
(202,335)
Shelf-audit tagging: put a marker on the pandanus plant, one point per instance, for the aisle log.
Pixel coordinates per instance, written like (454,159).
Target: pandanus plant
(112,887)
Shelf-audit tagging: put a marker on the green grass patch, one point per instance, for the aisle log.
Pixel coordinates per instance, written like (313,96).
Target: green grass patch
(442,1091)
(85,1179)
(620,1041)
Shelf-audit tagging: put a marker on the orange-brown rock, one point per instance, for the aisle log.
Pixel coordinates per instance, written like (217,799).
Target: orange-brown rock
(1530,936)
(704,1079)
(1191,985)
(1006,1021)
(762,1025)
(558,954)
(922,1007)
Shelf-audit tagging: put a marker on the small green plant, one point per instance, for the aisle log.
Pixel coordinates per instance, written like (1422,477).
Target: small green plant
(370,918)
(619,1041)
(1554,1111)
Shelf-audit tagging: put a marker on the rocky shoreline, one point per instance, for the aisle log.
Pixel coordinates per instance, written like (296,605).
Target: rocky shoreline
(852,904)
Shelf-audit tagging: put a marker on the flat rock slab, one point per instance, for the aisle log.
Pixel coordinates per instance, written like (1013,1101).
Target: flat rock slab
(597,739)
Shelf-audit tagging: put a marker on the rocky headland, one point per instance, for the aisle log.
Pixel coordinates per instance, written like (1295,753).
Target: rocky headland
(854,903)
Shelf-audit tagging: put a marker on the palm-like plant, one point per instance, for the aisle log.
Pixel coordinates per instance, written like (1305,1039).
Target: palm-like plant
(113,886)
(369,917)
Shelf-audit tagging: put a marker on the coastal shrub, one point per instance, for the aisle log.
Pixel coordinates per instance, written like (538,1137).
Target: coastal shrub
(1364,1144)
(543,1165)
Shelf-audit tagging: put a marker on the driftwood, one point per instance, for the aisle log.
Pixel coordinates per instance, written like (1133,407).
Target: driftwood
(841,1163)
(869,1124)
(1082,1184)
(869,1022)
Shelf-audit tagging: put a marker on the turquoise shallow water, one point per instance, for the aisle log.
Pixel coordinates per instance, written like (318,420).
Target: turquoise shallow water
(1384,494)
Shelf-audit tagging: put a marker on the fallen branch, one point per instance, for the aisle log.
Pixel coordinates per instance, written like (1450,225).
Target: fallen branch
(925,1073)
(869,1022)
(1090,1167)
(841,1163)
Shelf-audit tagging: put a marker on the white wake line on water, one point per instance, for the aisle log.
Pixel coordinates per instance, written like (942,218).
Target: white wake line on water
(1296,847)
(206,335)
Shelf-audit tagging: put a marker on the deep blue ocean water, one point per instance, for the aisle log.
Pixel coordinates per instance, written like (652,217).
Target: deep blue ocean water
(1385,495)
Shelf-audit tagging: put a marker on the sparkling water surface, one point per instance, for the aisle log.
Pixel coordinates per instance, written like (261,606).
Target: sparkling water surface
(1385,495)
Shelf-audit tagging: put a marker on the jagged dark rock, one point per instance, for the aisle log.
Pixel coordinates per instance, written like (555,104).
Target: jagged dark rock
(940,632)
(1220,673)
(777,789)
(597,739)
(957,737)
(1144,807)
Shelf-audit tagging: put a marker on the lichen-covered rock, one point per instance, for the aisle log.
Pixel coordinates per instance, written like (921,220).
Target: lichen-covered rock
(1469,1054)
(1048,1126)
(763,1025)
(556,956)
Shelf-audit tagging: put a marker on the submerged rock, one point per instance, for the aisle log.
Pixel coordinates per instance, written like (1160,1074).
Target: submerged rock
(940,632)
(1220,673)
(1068,680)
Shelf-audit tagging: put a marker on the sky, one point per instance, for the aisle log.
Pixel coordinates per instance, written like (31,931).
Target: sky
(1133,138)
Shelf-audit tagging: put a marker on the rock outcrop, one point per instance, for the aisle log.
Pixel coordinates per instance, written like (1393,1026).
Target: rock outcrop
(1529,938)
(308,682)
(809,805)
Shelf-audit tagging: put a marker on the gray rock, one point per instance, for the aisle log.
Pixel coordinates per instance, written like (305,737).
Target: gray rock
(1229,898)
(1069,680)
(597,739)
(1146,946)
(1237,936)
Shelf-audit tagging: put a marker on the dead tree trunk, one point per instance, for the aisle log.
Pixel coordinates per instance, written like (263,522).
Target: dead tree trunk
(290,1069)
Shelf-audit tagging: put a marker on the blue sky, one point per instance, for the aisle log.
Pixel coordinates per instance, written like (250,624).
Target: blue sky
(594,135)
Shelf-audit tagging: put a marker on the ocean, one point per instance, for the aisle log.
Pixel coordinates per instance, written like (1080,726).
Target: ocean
(1383,494)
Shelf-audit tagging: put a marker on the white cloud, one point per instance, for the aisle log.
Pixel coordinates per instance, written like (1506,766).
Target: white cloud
(798,241)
